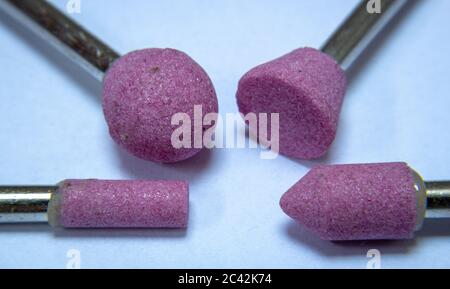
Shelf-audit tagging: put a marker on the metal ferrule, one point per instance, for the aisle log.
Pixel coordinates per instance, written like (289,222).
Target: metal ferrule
(421,199)
(358,31)
(25,204)
(64,34)
(433,199)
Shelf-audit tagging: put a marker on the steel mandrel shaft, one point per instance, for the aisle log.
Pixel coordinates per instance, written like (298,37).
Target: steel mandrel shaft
(438,199)
(25,204)
(67,36)
(359,30)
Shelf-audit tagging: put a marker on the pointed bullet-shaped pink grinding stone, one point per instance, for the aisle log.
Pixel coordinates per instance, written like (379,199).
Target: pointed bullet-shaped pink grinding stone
(355,202)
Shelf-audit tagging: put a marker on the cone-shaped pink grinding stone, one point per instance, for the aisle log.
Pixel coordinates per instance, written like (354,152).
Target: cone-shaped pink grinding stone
(143,90)
(124,204)
(306,87)
(355,202)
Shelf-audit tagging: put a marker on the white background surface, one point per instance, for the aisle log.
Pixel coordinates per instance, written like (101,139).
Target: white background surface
(52,128)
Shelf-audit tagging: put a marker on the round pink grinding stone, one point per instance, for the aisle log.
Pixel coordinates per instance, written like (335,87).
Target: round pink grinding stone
(355,202)
(143,90)
(306,87)
(124,204)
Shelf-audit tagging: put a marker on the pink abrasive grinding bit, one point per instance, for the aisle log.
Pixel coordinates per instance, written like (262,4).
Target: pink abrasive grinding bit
(98,204)
(307,86)
(365,201)
(141,90)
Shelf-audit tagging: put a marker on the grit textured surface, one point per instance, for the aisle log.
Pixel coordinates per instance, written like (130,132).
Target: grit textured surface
(143,90)
(306,87)
(124,204)
(355,202)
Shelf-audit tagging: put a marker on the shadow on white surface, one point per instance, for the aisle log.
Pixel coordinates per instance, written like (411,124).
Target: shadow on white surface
(189,170)
(435,227)
(431,228)
(94,233)
(328,158)
(327,248)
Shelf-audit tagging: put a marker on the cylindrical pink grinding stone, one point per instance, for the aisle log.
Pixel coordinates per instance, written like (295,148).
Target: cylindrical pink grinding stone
(355,202)
(143,90)
(306,87)
(123,204)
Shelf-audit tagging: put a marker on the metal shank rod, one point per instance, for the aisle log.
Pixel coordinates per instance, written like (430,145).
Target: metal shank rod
(25,204)
(438,199)
(357,32)
(63,33)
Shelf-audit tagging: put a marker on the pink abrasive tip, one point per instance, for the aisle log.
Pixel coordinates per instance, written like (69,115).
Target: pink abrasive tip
(355,202)
(123,204)
(306,87)
(143,90)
